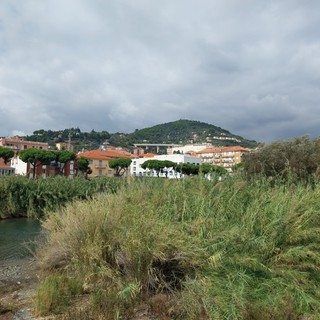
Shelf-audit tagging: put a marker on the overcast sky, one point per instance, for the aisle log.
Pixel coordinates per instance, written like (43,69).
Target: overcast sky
(251,67)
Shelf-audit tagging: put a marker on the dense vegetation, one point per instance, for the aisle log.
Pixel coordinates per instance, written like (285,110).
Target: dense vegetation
(185,249)
(181,131)
(187,131)
(20,196)
(81,140)
(296,160)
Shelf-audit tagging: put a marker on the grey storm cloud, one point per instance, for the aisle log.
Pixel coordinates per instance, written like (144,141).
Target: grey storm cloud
(251,67)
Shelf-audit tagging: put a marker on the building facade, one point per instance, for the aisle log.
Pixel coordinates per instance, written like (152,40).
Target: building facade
(6,170)
(99,161)
(225,157)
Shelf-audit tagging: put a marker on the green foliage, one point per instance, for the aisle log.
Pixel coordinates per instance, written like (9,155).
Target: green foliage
(55,293)
(64,156)
(20,196)
(120,165)
(87,140)
(37,157)
(158,165)
(83,166)
(208,168)
(6,154)
(182,131)
(227,250)
(187,168)
(296,159)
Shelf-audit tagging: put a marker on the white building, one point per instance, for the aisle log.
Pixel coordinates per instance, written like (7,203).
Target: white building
(19,166)
(188,148)
(136,170)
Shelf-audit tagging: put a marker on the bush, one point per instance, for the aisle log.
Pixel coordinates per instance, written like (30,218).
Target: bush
(296,159)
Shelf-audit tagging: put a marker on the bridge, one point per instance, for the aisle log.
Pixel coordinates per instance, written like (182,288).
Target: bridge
(146,146)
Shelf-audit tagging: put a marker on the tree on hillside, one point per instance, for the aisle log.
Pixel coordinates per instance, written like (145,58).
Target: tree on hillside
(120,166)
(64,156)
(83,166)
(37,157)
(6,154)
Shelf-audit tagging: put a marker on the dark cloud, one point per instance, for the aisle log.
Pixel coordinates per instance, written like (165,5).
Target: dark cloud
(251,68)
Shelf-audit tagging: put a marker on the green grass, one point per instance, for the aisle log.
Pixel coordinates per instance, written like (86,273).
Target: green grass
(228,250)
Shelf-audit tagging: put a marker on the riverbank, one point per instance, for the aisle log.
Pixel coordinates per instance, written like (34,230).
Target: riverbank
(18,281)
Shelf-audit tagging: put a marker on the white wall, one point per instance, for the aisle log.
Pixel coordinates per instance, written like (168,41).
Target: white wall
(19,165)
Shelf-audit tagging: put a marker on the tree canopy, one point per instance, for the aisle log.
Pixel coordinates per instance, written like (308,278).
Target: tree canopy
(120,165)
(158,165)
(37,157)
(6,154)
(83,166)
(63,156)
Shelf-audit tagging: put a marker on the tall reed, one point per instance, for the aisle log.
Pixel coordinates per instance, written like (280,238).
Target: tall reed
(20,196)
(216,250)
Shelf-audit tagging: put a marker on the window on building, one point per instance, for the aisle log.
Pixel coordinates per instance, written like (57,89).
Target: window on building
(100,163)
(100,172)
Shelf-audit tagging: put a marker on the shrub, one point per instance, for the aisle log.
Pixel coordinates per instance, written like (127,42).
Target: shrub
(297,159)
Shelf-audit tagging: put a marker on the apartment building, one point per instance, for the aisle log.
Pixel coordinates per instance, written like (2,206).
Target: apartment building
(137,170)
(225,157)
(17,144)
(99,160)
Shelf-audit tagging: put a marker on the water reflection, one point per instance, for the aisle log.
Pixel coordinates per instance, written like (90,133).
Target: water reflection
(15,234)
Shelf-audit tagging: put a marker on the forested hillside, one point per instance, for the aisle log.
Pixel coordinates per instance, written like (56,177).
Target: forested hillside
(177,132)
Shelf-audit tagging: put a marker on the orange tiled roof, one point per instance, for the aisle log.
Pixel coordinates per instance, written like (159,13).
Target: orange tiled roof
(147,155)
(234,148)
(210,150)
(222,149)
(105,154)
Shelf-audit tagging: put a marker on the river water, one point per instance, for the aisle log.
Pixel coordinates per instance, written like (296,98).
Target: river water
(17,238)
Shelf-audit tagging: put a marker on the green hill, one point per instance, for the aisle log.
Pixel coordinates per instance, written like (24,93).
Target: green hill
(188,131)
(176,132)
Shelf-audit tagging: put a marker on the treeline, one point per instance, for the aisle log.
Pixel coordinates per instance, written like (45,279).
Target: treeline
(39,157)
(297,160)
(20,196)
(80,140)
(164,166)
